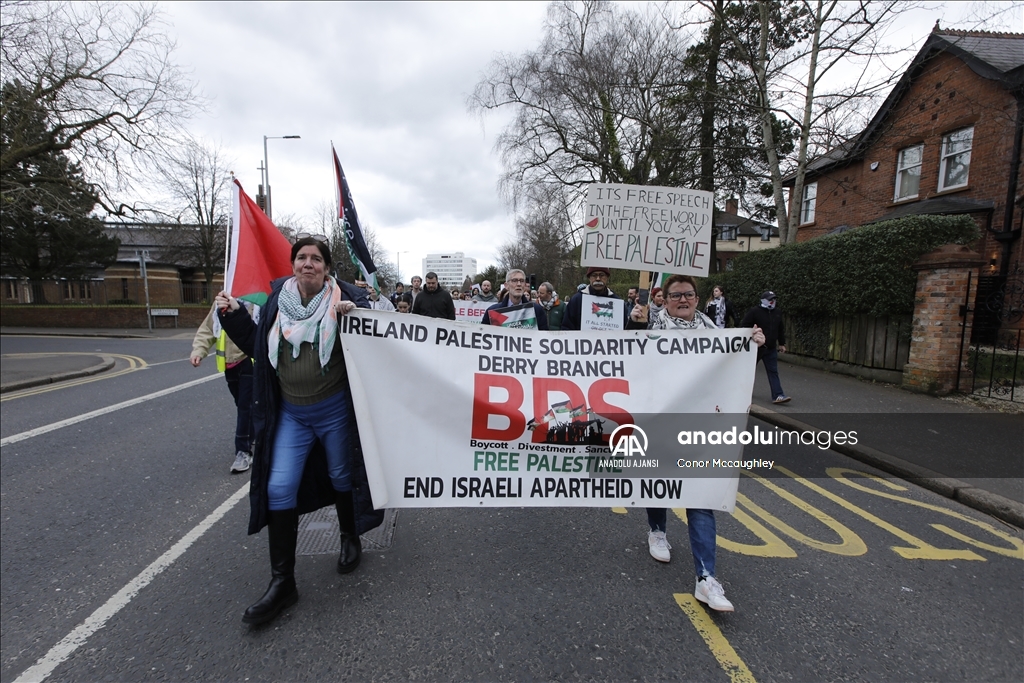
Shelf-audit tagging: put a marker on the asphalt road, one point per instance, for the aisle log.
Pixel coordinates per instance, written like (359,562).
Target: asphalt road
(835,575)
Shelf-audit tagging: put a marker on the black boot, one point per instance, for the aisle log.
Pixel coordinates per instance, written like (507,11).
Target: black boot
(282,531)
(351,548)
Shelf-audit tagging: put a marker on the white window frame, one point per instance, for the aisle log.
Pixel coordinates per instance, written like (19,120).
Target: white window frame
(947,155)
(808,203)
(903,169)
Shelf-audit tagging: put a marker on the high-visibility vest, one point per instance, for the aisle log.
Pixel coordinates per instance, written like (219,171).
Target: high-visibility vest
(222,343)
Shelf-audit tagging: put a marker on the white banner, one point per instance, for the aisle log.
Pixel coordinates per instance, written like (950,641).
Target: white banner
(643,227)
(498,417)
(470,312)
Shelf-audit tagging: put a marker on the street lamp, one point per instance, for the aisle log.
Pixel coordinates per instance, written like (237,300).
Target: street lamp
(398,263)
(266,166)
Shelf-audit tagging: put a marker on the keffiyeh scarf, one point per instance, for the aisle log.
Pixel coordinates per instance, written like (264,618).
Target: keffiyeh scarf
(316,322)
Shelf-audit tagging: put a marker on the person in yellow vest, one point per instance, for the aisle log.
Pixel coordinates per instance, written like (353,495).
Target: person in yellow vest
(237,369)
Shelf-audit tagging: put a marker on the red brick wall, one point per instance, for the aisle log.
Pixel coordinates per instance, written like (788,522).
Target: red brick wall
(945,97)
(104,317)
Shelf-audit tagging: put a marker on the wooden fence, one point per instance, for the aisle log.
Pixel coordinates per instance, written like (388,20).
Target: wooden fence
(882,343)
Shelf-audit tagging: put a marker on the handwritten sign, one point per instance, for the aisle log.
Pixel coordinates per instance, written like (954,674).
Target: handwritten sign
(643,227)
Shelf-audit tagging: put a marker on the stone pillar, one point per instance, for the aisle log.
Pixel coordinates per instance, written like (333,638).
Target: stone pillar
(937,331)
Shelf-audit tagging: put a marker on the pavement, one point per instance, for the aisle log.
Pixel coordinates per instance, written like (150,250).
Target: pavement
(966,450)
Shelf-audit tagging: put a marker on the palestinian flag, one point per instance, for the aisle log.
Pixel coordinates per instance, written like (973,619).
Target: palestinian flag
(521,316)
(258,252)
(563,408)
(604,310)
(658,279)
(579,411)
(349,218)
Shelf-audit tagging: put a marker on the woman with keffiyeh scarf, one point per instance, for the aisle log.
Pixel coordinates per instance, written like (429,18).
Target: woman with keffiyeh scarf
(301,414)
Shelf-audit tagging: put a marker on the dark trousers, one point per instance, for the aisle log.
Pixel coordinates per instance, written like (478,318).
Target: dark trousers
(771,366)
(240,385)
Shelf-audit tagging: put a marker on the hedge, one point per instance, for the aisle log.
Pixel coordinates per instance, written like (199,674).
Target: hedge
(866,270)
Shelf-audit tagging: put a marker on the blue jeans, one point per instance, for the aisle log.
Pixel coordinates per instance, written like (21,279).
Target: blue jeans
(771,366)
(239,380)
(298,427)
(703,536)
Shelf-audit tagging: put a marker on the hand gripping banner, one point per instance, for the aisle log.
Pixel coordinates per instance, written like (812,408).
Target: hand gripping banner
(455,414)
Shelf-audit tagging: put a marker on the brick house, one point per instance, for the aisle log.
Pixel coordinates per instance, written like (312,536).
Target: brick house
(737,235)
(947,140)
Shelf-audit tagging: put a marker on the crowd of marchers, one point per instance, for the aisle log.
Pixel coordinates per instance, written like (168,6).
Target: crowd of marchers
(296,428)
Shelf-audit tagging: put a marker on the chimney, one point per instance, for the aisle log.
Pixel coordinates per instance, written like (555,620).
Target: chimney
(732,205)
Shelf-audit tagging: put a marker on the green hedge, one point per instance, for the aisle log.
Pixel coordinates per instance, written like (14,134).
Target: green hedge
(866,270)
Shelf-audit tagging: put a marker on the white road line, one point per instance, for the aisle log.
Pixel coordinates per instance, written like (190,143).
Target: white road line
(15,438)
(98,619)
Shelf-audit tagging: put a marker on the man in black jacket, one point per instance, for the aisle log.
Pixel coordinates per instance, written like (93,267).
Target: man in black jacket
(598,278)
(769,318)
(433,301)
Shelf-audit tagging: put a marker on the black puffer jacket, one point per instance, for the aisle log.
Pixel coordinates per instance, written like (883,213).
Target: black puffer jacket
(436,304)
(315,490)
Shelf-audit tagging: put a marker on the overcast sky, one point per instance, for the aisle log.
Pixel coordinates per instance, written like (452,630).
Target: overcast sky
(388,83)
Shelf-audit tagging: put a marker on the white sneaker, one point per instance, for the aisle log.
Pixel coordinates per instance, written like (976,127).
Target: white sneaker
(242,462)
(659,546)
(711,593)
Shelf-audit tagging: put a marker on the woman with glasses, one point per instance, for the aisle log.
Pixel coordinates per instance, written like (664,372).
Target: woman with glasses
(681,313)
(305,453)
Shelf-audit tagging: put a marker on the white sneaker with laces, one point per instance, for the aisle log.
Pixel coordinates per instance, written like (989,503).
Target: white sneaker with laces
(711,593)
(659,546)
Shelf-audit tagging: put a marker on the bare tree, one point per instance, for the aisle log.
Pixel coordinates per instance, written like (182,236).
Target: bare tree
(197,177)
(592,104)
(325,222)
(104,74)
(794,57)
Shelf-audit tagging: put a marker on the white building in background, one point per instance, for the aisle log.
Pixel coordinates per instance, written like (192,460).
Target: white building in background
(452,269)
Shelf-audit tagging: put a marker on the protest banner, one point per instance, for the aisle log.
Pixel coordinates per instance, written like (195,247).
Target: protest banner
(599,313)
(642,227)
(469,311)
(514,418)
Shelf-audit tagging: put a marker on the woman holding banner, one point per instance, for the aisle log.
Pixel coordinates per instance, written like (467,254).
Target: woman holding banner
(306,448)
(681,313)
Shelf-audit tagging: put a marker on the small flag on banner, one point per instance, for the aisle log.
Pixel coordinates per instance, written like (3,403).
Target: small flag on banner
(258,253)
(349,218)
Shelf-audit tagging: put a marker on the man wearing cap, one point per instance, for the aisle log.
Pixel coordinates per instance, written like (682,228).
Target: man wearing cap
(598,277)
(769,318)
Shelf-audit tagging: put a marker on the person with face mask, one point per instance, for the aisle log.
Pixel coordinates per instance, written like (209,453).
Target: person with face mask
(768,317)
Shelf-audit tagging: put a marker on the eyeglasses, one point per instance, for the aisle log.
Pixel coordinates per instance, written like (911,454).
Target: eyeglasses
(304,235)
(676,296)
(518,281)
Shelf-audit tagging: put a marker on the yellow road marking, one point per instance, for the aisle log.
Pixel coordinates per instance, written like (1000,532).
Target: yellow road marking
(850,544)
(134,363)
(919,550)
(716,642)
(773,546)
(1016,551)
(620,511)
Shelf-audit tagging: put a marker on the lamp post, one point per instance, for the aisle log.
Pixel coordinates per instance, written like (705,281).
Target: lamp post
(266,165)
(398,263)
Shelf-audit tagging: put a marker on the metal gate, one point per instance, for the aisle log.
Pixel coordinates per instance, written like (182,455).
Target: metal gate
(995,357)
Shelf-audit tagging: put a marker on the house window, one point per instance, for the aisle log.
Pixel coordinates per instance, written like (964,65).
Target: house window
(11,289)
(908,172)
(766,234)
(956,158)
(728,232)
(807,205)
